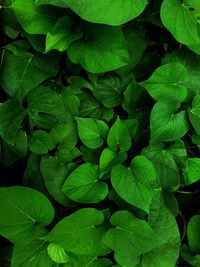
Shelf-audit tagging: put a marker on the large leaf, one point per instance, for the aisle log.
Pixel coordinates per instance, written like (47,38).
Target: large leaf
(135,184)
(21,208)
(82,185)
(130,238)
(166,125)
(107,12)
(92,132)
(23,71)
(102,49)
(78,232)
(165,83)
(180,21)
(34,20)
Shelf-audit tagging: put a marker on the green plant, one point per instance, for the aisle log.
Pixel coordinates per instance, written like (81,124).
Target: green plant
(100,133)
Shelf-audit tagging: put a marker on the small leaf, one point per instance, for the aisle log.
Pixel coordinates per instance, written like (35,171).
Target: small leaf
(119,137)
(57,253)
(92,132)
(82,185)
(40,142)
(165,125)
(192,171)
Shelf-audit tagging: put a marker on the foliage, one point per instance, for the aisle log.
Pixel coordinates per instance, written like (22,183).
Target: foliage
(100,133)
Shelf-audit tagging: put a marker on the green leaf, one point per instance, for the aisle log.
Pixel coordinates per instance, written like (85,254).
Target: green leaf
(62,35)
(78,232)
(32,254)
(132,233)
(65,134)
(92,132)
(54,171)
(15,151)
(22,207)
(193,260)
(108,90)
(82,185)
(19,67)
(194,114)
(164,224)
(181,22)
(46,108)
(102,49)
(118,136)
(109,159)
(40,142)
(192,171)
(57,253)
(193,234)
(165,83)
(12,115)
(135,184)
(107,12)
(165,125)
(33,19)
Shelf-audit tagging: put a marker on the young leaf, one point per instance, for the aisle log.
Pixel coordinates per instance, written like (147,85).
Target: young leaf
(109,159)
(132,233)
(57,253)
(82,185)
(165,125)
(78,232)
(118,136)
(130,184)
(165,83)
(61,35)
(20,208)
(92,132)
(102,49)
